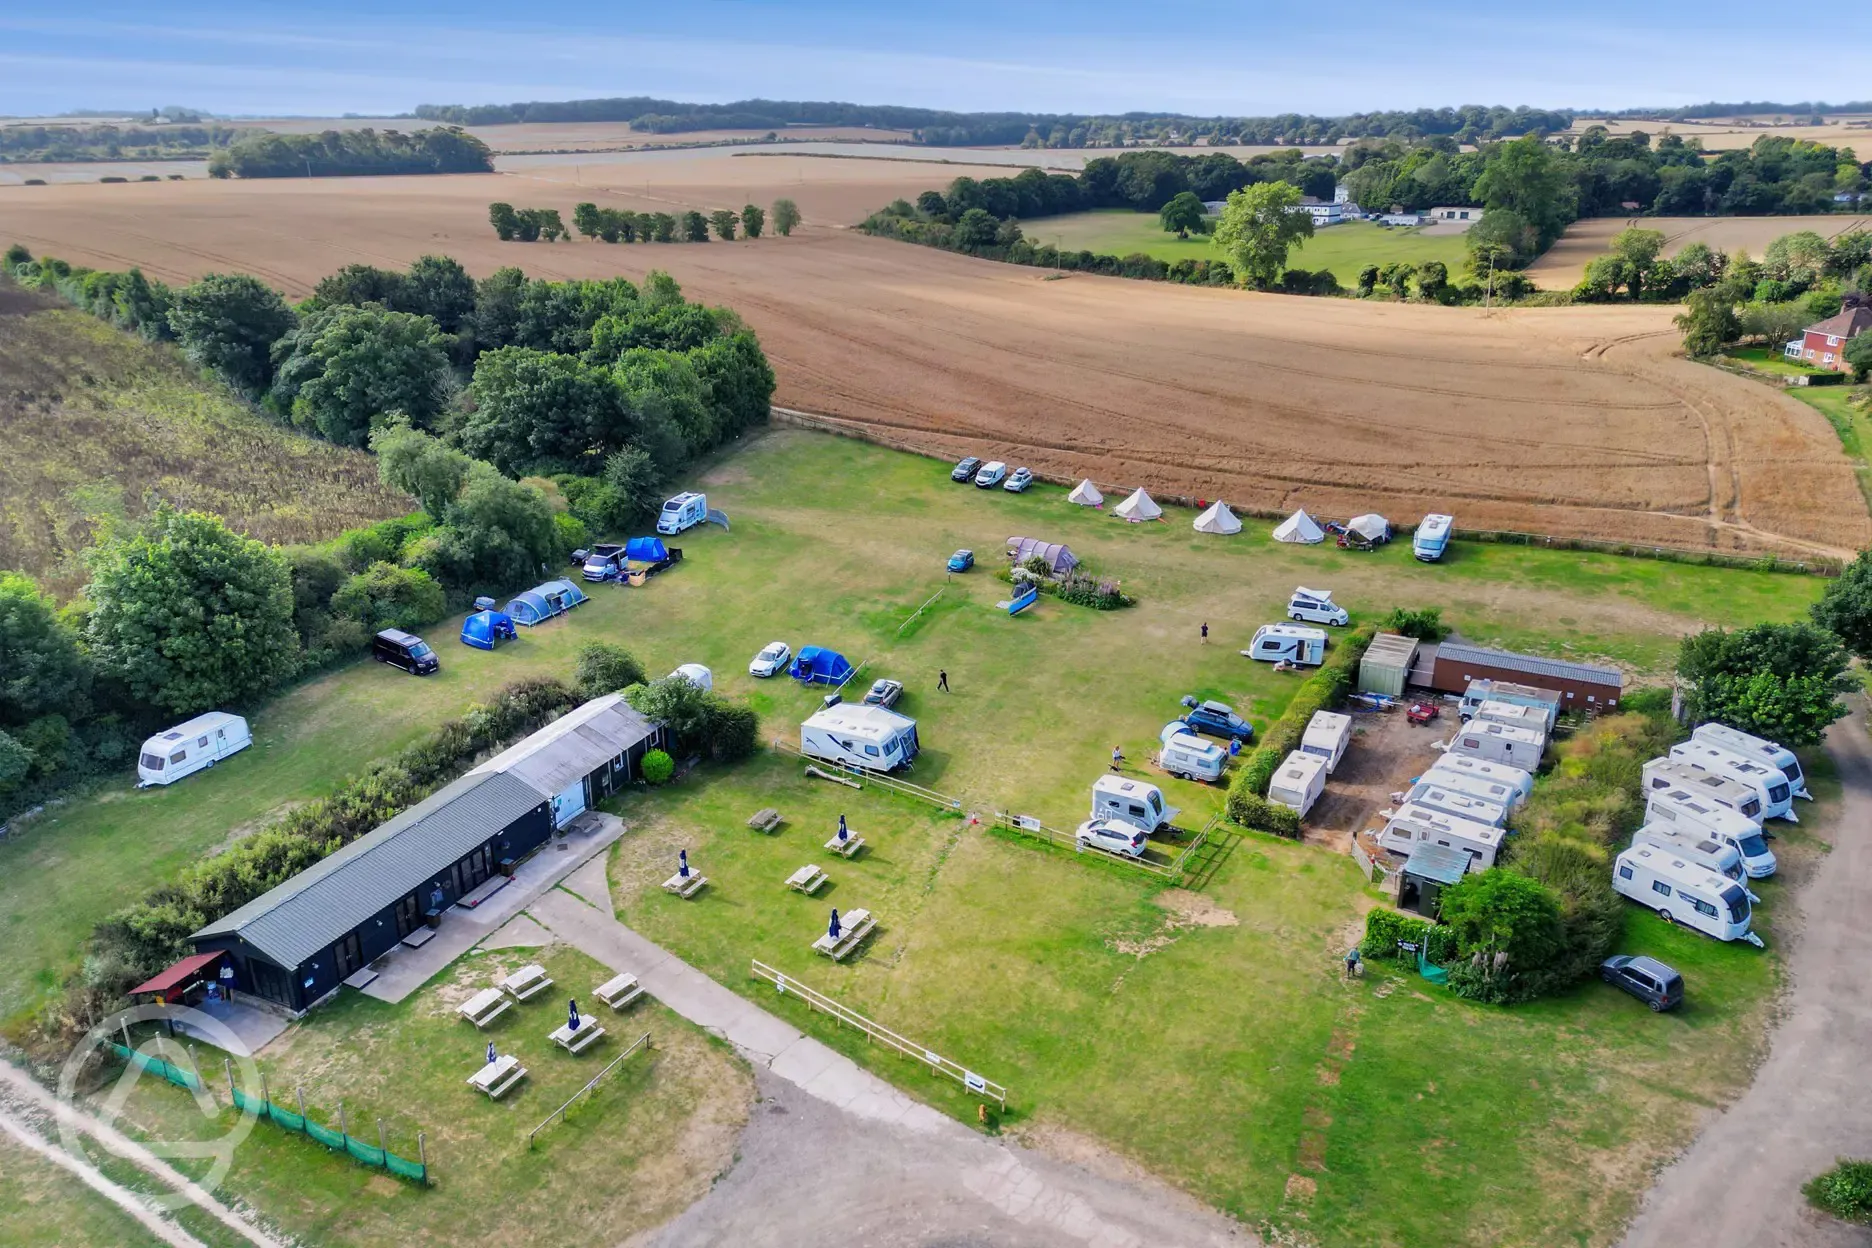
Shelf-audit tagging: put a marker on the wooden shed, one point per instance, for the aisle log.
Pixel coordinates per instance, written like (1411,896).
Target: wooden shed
(1581,686)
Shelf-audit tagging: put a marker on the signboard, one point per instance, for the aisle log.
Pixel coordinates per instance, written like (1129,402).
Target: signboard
(1027,823)
(779,983)
(1408,946)
(974,1082)
(932,1058)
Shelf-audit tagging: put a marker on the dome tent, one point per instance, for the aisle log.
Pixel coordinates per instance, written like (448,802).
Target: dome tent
(817,666)
(485,629)
(1086,494)
(1218,519)
(1138,507)
(1371,526)
(1299,527)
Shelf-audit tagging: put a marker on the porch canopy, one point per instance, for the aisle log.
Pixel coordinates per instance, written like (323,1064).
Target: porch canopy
(180,977)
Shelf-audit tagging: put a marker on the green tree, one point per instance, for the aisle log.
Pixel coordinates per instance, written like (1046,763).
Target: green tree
(42,670)
(228,322)
(1259,226)
(345,367)
(1780,681)
(422,466)
(190,616)
(695,227)
(1708,322)
(360,284)
(1524,177)
(387,596)
(439,288)
(724,222)
(679,705)
(976,228)
(1433,281)
(785,217)
(499,533)
(1858,354)
(604,668)
(535,411)
(505,220)
(586,219)
(1181,215)
(753,220)
(634,475)
(1845,609)
(1499,911)
(664,228)
(1367,280)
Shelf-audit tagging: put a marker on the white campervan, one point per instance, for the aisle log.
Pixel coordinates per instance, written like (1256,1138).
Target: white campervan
(1327,735)
(187,748)
(1668,773)
(1704,852)
(1517,778)
(1184,754)
(1316,606)
(685,511)
(1294,643)
(1782,759)
(1135,802)
(1415,825)
(1298,782)
(1499,743)
(1459,781)
(1682,892)
(1777,795)
(857,735)
(1433,795)
(1693,814)
(1479,691)
(1515,714)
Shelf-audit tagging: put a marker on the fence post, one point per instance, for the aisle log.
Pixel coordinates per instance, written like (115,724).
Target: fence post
(195,1065)
(227,1067)
(381,1146)
(299,1096)
(264,1095)
(422,1155)
(343,1131)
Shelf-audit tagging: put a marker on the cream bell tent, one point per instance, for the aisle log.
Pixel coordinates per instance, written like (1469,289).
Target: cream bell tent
(1299,527)
(1218,519)
(1138,507)
(1086,494)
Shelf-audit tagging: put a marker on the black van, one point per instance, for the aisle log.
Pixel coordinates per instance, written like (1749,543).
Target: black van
(404,650)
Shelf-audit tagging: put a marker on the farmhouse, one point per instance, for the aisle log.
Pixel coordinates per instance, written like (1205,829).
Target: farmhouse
(295,944)
(1323,212)
(1821,344)
(1450,667)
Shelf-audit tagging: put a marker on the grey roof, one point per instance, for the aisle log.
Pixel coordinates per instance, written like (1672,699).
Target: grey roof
(574,745)
(314,908)
(1559,669)
(1391,649)
(1437,862)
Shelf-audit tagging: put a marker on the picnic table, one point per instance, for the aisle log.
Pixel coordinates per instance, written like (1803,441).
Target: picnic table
(527,982)
(619,992)
(580,1040)
(765,820)
(847,847)
(685,886)
(497,1076)
(856,925)
(808,879)
(484,1007)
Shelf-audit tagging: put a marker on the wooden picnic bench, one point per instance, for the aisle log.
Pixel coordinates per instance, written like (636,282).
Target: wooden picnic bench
(685,888)
(847,847)
(765,820)
(527,982)
(808,879)
(484,1007)
(580,1040)
(854,926)
(619,992)
(497,1076)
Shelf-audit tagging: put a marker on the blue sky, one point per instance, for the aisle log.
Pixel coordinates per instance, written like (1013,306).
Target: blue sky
(1199,56)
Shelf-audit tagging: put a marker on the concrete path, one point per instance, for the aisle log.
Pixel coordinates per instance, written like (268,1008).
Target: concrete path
(1739,1184)
(858,1161)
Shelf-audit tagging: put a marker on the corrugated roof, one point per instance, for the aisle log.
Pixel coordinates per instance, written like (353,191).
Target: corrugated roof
(314,908)
(574,745)
(1558,669)
(1436,862)
(1390,649)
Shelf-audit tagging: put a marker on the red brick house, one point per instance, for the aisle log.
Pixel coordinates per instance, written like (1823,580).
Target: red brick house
(1822,345)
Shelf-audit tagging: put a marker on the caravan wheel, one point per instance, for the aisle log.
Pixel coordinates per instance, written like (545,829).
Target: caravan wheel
(1666,916)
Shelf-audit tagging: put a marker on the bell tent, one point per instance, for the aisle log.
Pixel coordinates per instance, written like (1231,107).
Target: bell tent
(1300,528)
(1138,507)
(1218,519)
(1086,494)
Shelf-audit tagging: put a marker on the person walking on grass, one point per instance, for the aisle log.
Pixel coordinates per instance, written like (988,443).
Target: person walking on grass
(1117,758)
(942,680)
(1205,632)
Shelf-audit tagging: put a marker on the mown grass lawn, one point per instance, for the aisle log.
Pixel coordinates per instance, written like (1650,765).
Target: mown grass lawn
(42,1205)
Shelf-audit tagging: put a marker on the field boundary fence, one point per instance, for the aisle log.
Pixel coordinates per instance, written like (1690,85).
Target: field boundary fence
(859,778)
(190,1079)
(844,1016)
(378,1156)
(640,1043)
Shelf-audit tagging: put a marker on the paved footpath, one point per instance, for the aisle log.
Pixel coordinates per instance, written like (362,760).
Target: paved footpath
(939,1181)
(1739,1184)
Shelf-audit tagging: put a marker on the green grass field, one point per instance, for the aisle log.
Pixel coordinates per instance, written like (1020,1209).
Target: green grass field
(1343,249)
(42,1205)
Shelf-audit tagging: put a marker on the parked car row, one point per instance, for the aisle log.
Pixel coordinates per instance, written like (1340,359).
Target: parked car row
(992,473)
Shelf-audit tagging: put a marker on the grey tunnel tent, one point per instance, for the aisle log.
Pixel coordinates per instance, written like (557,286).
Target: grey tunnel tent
(1059,559)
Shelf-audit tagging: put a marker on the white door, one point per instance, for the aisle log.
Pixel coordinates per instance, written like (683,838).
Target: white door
(570,804)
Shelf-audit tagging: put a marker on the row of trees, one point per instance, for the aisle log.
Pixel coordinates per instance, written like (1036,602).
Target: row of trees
(1145,181)
(22,144)
(1801,265)
(617,225)
(351,153)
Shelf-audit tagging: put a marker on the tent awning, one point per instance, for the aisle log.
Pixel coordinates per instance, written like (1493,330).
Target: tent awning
(182,975)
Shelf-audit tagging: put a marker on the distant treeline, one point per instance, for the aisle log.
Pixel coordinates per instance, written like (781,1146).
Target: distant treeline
(1747,108)
(31,144)
(615,225)
(1144,181)
(350,153)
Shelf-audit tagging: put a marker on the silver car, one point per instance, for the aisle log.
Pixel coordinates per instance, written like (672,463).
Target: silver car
(1113,837)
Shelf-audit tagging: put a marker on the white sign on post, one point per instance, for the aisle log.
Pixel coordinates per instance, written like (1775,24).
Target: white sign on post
(932,1058)
(1027,823)
(974,1082)
(779,983)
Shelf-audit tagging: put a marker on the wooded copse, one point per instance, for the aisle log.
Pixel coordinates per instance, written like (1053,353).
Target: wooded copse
(352,153)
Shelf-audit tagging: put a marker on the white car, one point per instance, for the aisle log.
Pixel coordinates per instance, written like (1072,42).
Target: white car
(992,474)
(1112,836)
(1315,606)
(772,660)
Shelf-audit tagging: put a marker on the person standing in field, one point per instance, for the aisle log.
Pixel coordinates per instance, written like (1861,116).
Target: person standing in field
(1205,632)
(942,680)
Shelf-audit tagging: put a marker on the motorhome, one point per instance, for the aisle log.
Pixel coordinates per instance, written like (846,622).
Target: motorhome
(1432,537)
(1683,892)
(1291,643)
(1189,756)
(188,747)
(1298,782)
(1415,825)
(1499,743)
(1492,711)
(1327,735)
(1778,756)
(1517,778)
(1136,802)
(1494,791)
(1693,815)
(1480,691)
(1668,773)
(856,735)
(1777,795)
(1435,796)
(685,511)
(1718,857)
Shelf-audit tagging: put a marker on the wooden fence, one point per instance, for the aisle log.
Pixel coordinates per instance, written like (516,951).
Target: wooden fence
(558,1115)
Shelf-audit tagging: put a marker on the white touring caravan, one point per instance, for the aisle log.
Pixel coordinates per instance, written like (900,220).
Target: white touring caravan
(1458,781)
(1294,643)
(1668,773)
(685,511)
(1720,858)
(1327,735)
(1479,691)
(1298,782)
(1693,815)
(187,748)
(1433,795)
(1415,825)
(1513,714)
(1517,778)
(1682,892)
(1499,743)
(1777,795)
(1184,754)
(1782,759)
(860,736)
(1135,802)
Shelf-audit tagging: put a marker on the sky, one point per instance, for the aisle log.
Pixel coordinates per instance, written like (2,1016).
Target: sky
(1204,57)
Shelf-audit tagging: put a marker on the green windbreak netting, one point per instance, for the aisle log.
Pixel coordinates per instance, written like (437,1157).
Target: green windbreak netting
(407,1169)
(286,1118)
(325,1135)
(369,1155)
(158,1066)
(357,1149)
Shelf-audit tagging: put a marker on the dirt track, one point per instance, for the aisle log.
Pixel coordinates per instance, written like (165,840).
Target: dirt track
(1573,421)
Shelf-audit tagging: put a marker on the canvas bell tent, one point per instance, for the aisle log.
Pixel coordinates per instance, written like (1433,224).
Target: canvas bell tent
(1218,519)
(1138,507)
(1086,494)
(1300,528)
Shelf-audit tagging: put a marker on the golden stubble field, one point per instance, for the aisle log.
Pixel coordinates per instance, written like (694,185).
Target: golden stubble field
(1575,421)
(1565,262)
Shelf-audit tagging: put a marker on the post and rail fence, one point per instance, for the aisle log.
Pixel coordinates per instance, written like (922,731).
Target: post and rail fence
(558,1115)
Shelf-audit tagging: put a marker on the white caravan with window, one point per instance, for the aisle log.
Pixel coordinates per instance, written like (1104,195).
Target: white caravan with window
(1434,795)
(1298,782)
(1693,814)
(1492,791)
(1327,735)
(1499,743)
(1519,715)
(187,748)
(1516,778)
(1777,795)
(1682,892)
(1668,773)
(856,735)
(1136,802)
(1704,852)
(1187,755)
(1479,691)
(1415,825)
(1290,643)
(1782,759)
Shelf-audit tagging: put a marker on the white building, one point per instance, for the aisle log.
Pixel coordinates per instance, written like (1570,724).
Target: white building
(1322,212)
(1464,217)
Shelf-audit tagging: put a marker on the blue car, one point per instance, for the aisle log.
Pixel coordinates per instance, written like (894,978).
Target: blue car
(962,561)
(1216,719)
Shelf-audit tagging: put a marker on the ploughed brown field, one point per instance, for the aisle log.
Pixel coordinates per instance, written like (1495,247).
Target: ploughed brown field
(1584,241)
(1574,421)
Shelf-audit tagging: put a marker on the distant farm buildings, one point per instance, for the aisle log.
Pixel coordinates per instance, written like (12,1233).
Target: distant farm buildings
(1822,344)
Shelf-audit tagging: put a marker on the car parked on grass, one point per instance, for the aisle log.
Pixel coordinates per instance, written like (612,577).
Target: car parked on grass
(772,659)
(884,693)
(1020,479)
(1315,606)
(1648,979)
(405,650)
(965,471)
(992,474)
(1111,836)
(962,561)
(1216,719)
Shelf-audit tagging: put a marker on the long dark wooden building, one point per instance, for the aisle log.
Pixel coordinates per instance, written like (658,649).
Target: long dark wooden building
(1581,686)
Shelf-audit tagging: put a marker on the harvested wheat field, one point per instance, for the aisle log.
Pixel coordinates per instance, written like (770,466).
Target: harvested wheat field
(1726,133)
(1576,421)
(1565,262)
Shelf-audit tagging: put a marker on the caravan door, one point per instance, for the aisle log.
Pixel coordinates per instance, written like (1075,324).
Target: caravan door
(570,804)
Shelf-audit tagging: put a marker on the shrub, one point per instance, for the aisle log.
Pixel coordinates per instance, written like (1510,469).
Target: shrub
(387,596)
(1384,928)
(1845,1191)
(1425,624)
(734,729)
(1251,810)
(658,767)
(604,668)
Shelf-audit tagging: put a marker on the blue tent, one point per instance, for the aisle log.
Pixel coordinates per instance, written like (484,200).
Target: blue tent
(823,667)
(542,602)
(485,629)
(645,550)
